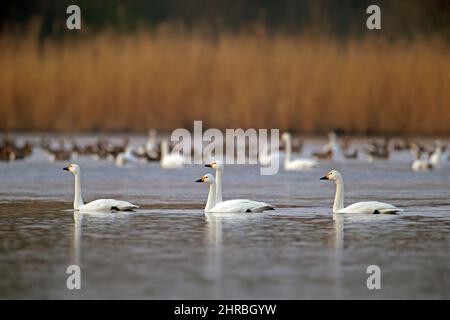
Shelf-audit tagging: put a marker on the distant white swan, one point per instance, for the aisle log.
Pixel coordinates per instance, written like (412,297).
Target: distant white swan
(421,165)
(126,157)
(368,207)
(438,156)
(296,164)
(151,146)
(215,204)
(170,160)
(267,157)
(333,145)
(96,205)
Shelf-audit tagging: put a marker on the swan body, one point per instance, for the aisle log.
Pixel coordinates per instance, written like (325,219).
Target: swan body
(421,165)
(124,158)
(366,207)
(265,158)
(297,164)
(170,160)
(96,205)
(107,205)
(370,207)
(240,206)
(215,204)
(300,164)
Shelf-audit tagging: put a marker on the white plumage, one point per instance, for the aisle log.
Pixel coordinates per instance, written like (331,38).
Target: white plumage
(297,164)
(240,206)
(366,207)
(215,204)
(104,205)
(107,205)
(370,207)
(170,160)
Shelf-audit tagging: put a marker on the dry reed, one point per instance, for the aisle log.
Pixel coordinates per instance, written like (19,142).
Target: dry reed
(161,80)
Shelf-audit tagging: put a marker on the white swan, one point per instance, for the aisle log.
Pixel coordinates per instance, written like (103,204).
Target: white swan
(438,156)
(215,204)
(297,164)
(126,157)
(367,207)
(333,145)
(421,165)
(265,158)
(96,205)
(151,146)
(170,160)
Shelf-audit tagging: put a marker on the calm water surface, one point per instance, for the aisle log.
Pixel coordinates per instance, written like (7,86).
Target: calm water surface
(169,249)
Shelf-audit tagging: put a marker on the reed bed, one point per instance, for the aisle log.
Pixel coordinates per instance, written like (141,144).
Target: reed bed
(166,80)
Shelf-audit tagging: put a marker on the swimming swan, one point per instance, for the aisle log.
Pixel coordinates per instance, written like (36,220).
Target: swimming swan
(266,156)
(297,164)
(369,207)
(421,165)
(126,157)
(215,204)
(438,156)
(170,160)
(96,205)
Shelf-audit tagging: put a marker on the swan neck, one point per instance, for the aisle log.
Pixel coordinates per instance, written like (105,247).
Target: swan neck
(287,157)
(339,197)
(164,149)
(218,186)
(78,200)
(211,197)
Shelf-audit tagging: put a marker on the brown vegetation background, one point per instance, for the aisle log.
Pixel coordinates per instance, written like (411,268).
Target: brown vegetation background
(133,82)
(306,66)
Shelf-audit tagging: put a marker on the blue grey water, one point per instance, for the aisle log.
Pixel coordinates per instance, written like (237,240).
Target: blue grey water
(169,249)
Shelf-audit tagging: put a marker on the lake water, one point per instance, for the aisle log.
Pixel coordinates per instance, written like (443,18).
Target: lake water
(169,249)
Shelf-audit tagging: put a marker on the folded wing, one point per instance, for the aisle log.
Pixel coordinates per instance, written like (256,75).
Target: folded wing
(240,206)
(108,205)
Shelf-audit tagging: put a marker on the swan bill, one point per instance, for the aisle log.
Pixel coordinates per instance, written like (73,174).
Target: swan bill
(324,178)
(66,168)
(200,180)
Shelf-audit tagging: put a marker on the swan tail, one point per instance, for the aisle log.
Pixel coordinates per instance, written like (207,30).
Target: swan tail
(261,209)
(129,207)
(390,211)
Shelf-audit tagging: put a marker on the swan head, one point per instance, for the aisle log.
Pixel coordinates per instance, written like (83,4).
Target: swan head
(332,175)
(208,178)
(285,136)
(74,168)
(217,165)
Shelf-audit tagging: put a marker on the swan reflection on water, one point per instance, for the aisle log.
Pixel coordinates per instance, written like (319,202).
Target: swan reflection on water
(75,254)
(213,240)
(89,217)
(215,225)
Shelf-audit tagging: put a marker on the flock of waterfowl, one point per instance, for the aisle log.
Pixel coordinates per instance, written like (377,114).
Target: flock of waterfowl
(154,149)
(425,157)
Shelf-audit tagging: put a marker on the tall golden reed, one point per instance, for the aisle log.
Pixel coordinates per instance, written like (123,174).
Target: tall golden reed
(163,80)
